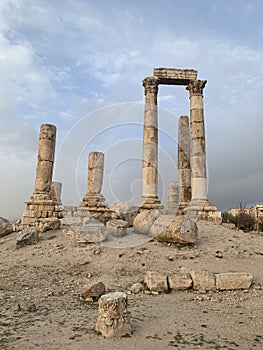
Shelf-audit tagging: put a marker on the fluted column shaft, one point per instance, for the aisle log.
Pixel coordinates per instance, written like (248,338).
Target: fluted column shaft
(197,141)
(150,145)
(184,169)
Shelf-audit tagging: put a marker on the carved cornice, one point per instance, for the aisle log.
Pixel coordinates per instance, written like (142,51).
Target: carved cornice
(196,87)
(150,85)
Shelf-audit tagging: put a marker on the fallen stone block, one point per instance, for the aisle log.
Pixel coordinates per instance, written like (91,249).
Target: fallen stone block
(144,220)
(28,236)
(203,281)
(233,280)
(48,224)
(92,292)
(156,282)
(124,211)
(136,288)
(113,320)
(5,227)
(117,227)
(181,230)
(180,281)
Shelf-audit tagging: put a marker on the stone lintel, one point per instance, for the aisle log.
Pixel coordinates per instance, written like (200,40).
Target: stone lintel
(174,76)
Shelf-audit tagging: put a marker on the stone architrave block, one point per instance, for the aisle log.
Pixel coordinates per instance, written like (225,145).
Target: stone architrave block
(180,281)
(233,280)
(156,282)
(113,320)
(203,281)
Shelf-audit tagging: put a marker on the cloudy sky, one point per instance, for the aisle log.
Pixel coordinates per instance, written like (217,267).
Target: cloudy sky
(79,64)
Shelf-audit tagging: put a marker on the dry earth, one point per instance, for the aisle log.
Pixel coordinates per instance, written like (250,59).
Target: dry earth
(45,280)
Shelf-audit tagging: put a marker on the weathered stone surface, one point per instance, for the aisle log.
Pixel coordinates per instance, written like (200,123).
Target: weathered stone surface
(173,197)
(71,220)
(5,227)
(113,316)
(136,288)
(150,198)
(182,230)
(122,210)
(160,224)
(233,280)
(144,220)
(92,291)
(93,233)
(117,227)
(175,76)
(203,281)
(156,282)
(179,281)
(28,236)
(48,224)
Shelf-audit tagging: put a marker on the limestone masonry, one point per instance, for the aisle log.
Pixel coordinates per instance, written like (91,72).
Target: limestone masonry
(187,197)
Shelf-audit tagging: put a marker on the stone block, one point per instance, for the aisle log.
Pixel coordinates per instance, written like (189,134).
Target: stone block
(93,291)
(48,224)
(181,230)
(233,280)
(113,316)
(5,227)
(180,281)
(28,236)
(117,227)
(156,282)
(145,220)
(203,281)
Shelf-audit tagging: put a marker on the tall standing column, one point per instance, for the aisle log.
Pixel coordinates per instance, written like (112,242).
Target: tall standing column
(41,204)
(197,143)
(93,198)
(184,169)
(150,198)
(46,153)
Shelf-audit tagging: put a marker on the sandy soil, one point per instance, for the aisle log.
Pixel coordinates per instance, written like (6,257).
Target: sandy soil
(51,274)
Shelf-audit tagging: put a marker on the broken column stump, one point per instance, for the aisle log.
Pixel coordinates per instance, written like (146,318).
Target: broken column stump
(113,316)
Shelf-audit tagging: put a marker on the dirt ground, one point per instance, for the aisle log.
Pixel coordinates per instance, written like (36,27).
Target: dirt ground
(40,307)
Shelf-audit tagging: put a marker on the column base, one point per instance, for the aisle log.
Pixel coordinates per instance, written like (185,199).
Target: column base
(40,206)
(203,210)
(150,203)
(95,205)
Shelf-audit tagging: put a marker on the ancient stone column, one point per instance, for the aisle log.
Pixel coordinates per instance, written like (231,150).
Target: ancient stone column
(46,153)
(184,169)
(94,201)
(150,198)
(56,191)
(197,143)
(113,316)
(41,204)
(173,197)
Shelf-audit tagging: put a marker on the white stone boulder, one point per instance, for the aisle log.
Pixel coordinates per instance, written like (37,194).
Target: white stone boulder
(145,220)
(125,211)
(181,230)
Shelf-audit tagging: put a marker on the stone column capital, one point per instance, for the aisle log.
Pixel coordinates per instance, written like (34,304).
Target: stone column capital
(150,85)
(196,87)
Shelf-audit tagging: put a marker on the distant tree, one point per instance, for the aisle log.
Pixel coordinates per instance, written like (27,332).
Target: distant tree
(243,220)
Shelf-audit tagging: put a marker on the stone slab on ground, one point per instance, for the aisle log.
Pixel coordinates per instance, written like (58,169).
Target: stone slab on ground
(180,281)
(233,280)
(156,282)
(203,281)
